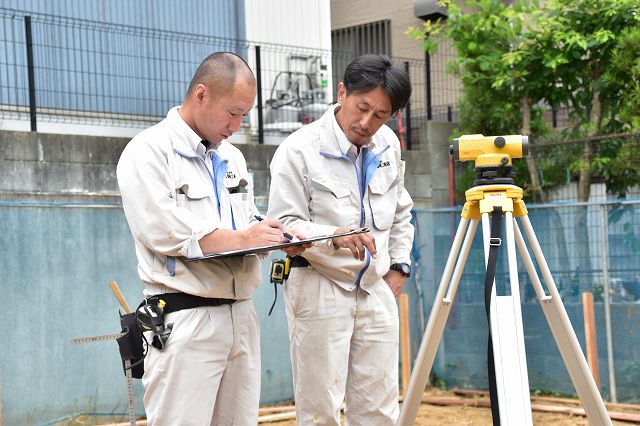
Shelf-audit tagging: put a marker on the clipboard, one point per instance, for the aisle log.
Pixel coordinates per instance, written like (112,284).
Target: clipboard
(265,249)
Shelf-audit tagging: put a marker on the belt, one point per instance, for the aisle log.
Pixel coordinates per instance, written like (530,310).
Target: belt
(299,262)
(179,301)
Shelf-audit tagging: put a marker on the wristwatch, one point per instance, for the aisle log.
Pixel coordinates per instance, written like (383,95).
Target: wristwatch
(403,268)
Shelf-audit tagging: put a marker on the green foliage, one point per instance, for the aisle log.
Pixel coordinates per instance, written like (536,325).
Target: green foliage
(617,164)
(582,54)
(622,78)
(632,372)
(541,392)
(439,383)
(585,33)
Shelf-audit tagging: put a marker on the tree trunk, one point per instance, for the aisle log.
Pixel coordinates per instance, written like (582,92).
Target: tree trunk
(536,188)
(595,119)
(583,252)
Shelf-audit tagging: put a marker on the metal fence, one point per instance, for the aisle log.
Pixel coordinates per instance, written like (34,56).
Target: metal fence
(65,254)
(589,248)
(66,71)
(57,69)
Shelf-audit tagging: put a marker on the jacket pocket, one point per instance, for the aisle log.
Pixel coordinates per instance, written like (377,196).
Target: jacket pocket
(330,202)
(383,199)
(240,209)
(196,196)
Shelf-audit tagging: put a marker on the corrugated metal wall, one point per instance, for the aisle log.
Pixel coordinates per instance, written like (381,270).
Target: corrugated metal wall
(108,57)
(220,18)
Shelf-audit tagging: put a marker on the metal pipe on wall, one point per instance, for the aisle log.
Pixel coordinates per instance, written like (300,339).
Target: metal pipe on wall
(30,73)
(259,90)
(408,112)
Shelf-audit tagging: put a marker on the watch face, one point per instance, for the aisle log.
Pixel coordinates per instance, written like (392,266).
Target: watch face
(406,269)
(403,268)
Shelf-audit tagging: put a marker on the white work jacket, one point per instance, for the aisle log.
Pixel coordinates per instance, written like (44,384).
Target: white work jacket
(173,196)
(316,189)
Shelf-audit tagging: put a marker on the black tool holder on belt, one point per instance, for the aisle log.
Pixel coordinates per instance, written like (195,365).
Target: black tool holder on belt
(131,347)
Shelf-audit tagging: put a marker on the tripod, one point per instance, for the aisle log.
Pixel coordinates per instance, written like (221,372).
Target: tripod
(512,383)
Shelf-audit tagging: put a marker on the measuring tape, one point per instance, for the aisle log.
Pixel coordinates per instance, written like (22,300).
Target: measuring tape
(98,338)
(132,406)
(127,368)
(127,362)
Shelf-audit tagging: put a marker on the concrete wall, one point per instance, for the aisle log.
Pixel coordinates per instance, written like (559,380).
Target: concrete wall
(58,260)
(51,167)
(436,140)
(65,168)
(63,238)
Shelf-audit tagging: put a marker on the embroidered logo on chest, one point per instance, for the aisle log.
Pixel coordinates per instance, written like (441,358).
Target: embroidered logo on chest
(384,164)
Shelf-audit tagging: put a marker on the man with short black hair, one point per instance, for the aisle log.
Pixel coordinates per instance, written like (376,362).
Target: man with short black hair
(339,173)
(186,192)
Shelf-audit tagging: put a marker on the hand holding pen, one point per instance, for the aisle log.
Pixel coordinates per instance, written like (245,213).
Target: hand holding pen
(293,250)
(287,235)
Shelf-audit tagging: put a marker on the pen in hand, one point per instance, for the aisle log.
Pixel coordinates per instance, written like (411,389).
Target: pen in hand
(287,235)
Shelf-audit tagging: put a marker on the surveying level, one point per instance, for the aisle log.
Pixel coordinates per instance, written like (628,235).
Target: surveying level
(492,155)
(491,201)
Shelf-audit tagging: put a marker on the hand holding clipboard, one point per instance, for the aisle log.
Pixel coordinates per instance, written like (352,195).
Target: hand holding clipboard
(357,242)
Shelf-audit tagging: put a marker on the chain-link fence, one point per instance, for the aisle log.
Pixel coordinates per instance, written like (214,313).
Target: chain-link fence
(589,248)
(70,71)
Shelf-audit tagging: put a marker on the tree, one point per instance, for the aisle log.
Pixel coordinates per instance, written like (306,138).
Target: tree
(622,78)
(491,66)
(584,33)
(514,59)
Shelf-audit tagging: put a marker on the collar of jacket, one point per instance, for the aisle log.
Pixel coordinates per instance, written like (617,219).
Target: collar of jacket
(186,140)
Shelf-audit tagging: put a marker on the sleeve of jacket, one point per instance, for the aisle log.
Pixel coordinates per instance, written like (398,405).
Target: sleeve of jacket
(289,192)
(401,234)
(149,202)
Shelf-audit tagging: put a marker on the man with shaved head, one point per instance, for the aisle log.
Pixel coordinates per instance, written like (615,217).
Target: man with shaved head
(186,193)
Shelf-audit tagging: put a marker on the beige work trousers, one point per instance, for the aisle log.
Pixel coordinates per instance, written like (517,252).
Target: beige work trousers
(344,347)
(209,372)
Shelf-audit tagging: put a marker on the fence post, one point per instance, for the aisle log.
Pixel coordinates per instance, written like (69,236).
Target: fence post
(408,111)
(30,74)
(590,335)
(259,89)
(604,241)
(405,342)
(427,80)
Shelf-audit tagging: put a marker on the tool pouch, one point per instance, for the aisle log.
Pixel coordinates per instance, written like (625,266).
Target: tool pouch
(131,347)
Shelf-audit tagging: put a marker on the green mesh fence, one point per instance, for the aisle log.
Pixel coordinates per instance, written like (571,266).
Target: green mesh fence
(571,239)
